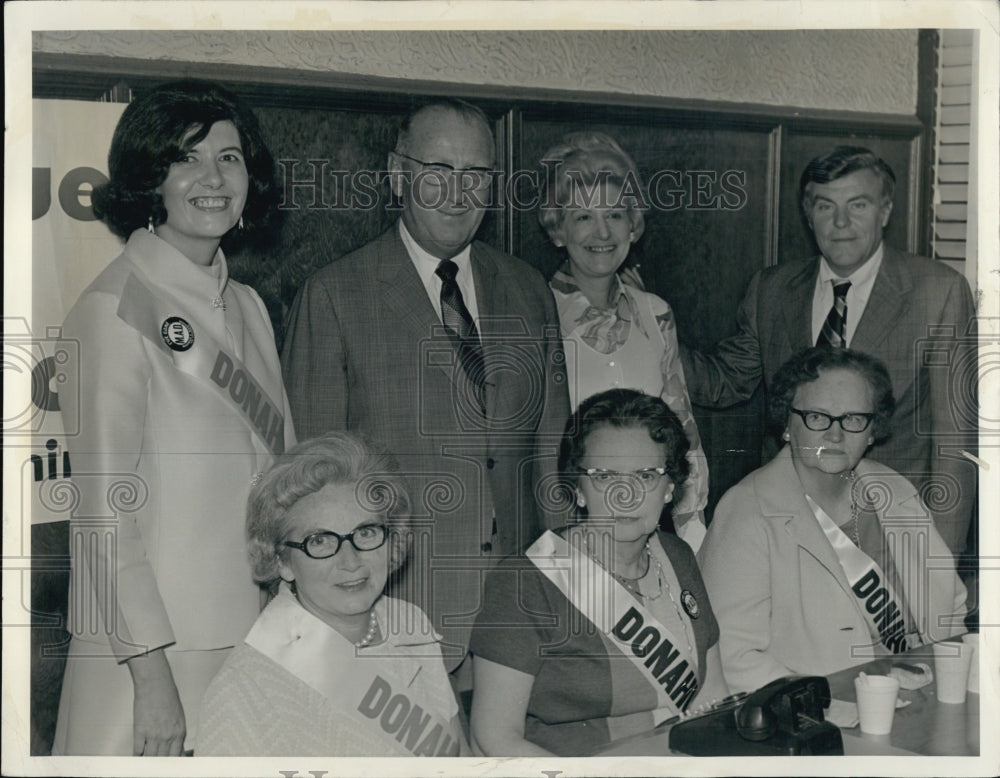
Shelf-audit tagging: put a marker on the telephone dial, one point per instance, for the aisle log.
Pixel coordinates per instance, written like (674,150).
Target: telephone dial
(785,717)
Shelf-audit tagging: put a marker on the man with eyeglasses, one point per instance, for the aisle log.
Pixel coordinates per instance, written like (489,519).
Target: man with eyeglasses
(446,351)
(911,312)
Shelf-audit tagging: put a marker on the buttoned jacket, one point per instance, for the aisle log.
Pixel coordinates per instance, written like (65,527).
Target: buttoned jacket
(917,321)
(781,597)
(365,351)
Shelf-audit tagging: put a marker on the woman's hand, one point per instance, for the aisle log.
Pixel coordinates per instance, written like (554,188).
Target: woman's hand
(158,726)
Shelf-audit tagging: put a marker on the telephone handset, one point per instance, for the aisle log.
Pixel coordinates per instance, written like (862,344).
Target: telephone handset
(783,717)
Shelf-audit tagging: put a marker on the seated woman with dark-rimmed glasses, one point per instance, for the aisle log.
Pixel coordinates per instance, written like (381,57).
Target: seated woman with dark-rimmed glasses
(823,558)
(332,667)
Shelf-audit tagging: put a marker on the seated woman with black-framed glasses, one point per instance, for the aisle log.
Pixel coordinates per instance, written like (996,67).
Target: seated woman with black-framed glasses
(331,667)
(823,559)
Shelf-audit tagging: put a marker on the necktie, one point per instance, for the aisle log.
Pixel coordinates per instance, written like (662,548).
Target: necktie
(834,332)
(458,321)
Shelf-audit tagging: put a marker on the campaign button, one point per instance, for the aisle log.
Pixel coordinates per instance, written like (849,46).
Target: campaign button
(177,333)
(690,604)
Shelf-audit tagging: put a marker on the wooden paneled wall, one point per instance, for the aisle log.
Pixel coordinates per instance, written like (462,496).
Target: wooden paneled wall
(726,203)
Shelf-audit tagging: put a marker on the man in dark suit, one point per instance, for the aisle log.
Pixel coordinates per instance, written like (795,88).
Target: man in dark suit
(448,353)
(911,312)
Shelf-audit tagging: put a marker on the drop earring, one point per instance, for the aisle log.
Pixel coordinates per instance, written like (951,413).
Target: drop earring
(240,224)
(581,502)
(785,435)
(149,225)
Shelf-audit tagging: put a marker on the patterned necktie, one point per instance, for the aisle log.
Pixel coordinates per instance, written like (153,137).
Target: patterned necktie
(462,329)
(834,332)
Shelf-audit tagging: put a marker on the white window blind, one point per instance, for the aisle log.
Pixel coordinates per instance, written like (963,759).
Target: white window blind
(952,145)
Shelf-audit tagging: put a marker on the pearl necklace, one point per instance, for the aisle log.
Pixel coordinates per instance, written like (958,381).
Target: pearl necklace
(677,610)
(370,634)
(632,584)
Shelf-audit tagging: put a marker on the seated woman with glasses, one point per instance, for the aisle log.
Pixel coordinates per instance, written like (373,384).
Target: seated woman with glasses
(822,558)
(603,629)
(331,667)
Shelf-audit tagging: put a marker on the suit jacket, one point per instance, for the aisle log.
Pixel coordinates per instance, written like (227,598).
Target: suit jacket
(916,321)
(365,351)
(778,589)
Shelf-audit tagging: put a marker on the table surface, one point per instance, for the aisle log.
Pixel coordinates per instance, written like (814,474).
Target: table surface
(924,727)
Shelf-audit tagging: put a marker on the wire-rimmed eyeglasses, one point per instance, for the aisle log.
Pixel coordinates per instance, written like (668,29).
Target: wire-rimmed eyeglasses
(323,545)
(442,172)
(817,421)
(647,478)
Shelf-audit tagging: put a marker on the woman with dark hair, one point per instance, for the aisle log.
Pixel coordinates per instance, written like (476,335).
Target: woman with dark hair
(614,335)
(602,629)
(332,667)
(820,559)
(180,403)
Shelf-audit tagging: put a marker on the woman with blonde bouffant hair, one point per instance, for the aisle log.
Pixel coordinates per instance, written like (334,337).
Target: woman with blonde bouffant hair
(614,334)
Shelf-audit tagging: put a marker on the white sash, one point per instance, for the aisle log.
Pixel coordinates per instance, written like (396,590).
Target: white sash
(883,611)
(653,650)
(206,360)
(376,691)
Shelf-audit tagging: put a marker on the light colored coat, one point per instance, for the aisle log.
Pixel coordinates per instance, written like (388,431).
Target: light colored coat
(162,462)
(777,587)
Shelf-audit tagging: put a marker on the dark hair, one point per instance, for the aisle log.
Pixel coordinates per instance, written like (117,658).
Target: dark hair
(807,365)
(333,458)
(152,134)
(624,409)
(843,161)
(471,113)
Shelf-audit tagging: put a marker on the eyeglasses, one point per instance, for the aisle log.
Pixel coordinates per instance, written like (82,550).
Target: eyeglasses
(817,421)
(441,172)
(323,545)
(647,478)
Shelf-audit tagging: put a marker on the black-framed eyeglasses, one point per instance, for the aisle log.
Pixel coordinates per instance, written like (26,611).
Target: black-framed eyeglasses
(468,177)
(817,421)
(647,478)
(323,545)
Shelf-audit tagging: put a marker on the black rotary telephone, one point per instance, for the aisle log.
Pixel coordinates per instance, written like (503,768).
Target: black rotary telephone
(785,717)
